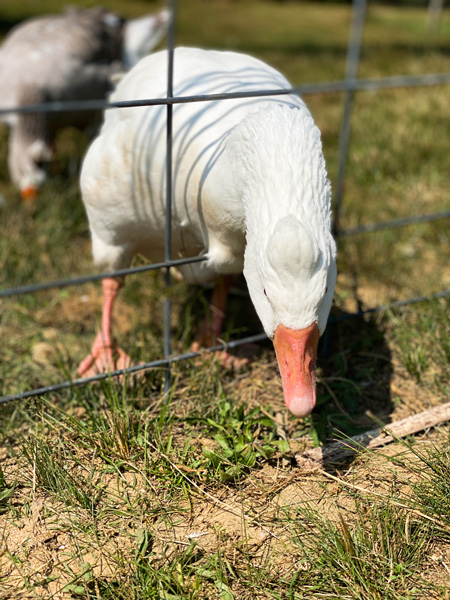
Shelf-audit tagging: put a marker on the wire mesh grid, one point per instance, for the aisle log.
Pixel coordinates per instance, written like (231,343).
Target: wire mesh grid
(349,86)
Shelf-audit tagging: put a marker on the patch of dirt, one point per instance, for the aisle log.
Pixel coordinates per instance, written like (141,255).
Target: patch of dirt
(48,544)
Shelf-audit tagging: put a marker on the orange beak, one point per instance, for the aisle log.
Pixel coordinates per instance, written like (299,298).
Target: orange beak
(296,352)
(29,193)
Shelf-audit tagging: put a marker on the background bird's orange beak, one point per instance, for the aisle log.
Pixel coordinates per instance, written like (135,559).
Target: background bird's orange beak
(296,352)
(29,193)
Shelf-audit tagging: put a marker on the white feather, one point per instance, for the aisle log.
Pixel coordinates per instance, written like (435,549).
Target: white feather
(250,186)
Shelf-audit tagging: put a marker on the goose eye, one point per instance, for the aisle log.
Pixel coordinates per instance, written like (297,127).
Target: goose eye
(265,293)
(326,289)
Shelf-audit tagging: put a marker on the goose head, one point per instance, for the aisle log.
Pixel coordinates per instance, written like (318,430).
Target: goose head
(142,35)
(28,162)
(291,277)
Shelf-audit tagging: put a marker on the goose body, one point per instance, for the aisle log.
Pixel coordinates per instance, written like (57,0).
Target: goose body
(72,56)
(250,192)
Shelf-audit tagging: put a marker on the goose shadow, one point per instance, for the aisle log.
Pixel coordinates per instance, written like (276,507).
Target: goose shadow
(354,363)
(354,385)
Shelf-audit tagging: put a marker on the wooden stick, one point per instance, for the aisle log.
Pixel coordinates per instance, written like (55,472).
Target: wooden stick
(374,438)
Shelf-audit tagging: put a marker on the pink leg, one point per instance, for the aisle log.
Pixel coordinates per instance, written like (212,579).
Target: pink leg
(211,327)
(105,355)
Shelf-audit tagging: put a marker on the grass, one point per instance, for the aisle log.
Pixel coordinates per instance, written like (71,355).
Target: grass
(378,555)
(130,522)
(109,491)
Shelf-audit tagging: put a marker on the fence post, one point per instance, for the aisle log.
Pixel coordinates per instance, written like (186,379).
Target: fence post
(353,56)
(169,194)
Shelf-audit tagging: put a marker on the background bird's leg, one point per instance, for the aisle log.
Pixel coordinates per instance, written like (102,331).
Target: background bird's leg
(211,326)
(105,355)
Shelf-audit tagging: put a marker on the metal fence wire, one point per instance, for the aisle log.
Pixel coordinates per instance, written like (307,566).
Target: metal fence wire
(348,86)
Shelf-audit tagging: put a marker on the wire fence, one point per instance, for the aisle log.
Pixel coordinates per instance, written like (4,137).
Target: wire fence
(348,86)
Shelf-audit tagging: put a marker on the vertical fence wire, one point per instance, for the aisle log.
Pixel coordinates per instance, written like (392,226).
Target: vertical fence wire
(351,74)
(169,195)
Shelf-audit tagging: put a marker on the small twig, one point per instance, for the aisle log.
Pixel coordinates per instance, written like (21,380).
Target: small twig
(445,566)
(374,438)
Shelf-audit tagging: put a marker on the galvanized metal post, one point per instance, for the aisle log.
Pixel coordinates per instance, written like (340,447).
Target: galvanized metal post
(169,194)
(353,56)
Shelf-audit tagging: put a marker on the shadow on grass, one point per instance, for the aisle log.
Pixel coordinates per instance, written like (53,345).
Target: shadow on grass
(354,363)
(356,371)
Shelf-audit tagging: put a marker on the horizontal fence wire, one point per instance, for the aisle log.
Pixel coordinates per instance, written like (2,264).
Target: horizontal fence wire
(163,362)
(391,306)
(167,361)
(82,279)
(394,223)
(60,283)
(349,86)
(330,87)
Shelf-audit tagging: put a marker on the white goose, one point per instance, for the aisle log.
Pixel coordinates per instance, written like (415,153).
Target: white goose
(250,192)
(72,56)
